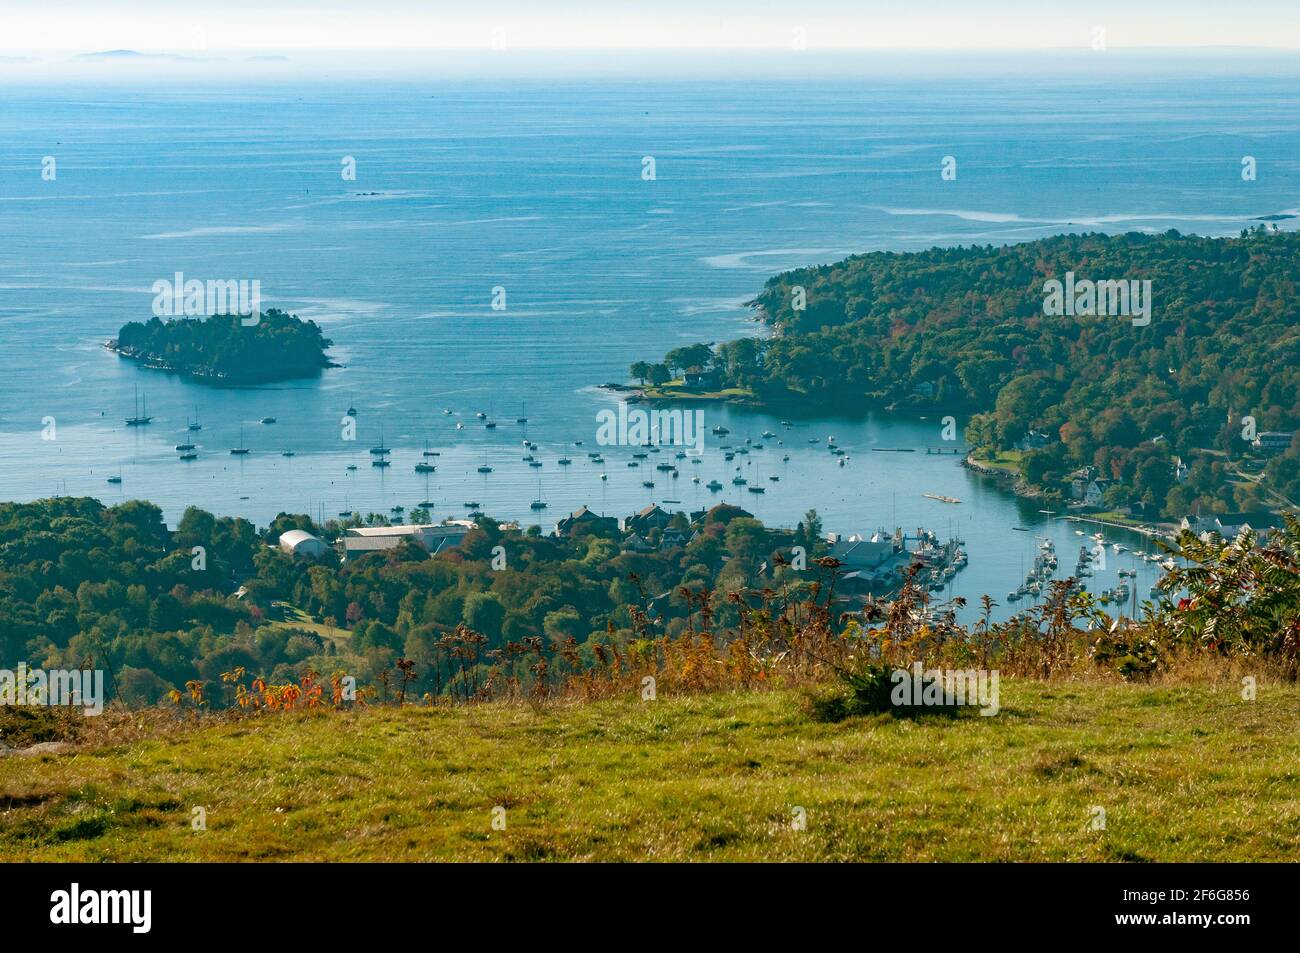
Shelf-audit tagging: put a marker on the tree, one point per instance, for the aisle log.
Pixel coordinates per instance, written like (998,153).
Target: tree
(808,534)
(692,355)
(981,431)
(484,613)
(1019,405)
(640,370)
(746,540)
(562,624)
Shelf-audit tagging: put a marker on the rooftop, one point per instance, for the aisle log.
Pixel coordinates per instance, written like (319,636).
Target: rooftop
(450,527)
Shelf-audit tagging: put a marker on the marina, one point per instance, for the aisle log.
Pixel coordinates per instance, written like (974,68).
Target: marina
(776,480)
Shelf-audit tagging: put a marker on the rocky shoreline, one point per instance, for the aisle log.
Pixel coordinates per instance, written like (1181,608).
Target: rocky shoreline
(1012,481)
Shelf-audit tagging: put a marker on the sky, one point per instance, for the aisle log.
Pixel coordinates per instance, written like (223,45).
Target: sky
(285,26)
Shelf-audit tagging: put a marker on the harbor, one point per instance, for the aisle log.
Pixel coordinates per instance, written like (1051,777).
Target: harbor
(443,459)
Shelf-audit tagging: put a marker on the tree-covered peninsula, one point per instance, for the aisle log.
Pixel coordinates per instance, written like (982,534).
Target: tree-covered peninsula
(228,349)
(1165,410)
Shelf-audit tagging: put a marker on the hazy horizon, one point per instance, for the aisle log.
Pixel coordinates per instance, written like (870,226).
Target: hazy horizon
(118,65)
(703,25)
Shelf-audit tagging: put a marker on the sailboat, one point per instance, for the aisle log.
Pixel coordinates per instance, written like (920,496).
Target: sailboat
(352,407)
(139,418)
(538,503)
(196,425)
(523,416)
(241,449)
(424,466)
(381,450)
(118,478)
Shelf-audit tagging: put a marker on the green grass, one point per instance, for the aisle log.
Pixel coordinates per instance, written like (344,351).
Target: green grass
(1122,519)
(677,390)
(295,618)
(1183,773)
(1008,460)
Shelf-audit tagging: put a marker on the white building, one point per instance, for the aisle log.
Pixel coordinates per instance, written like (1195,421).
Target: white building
(1231,525)
(434,537)
(1079,481)
(858,553)
(1034,440)
(1274,441)
(1096,492)
(297,542)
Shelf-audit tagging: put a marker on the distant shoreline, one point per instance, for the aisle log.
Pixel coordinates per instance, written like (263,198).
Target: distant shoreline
(794,404)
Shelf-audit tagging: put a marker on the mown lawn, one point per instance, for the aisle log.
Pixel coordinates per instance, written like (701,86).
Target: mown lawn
(1183,773)
(677,390)
(295,618)
(1008,460)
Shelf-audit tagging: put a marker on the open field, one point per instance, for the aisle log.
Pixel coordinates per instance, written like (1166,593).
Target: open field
(677,390)
(1183,773)
(1008,460)
(295,618)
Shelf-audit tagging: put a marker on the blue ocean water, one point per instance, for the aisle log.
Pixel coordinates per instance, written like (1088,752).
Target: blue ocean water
(538,188)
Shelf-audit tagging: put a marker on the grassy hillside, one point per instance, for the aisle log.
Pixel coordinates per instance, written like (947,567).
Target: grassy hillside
(1183,773)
